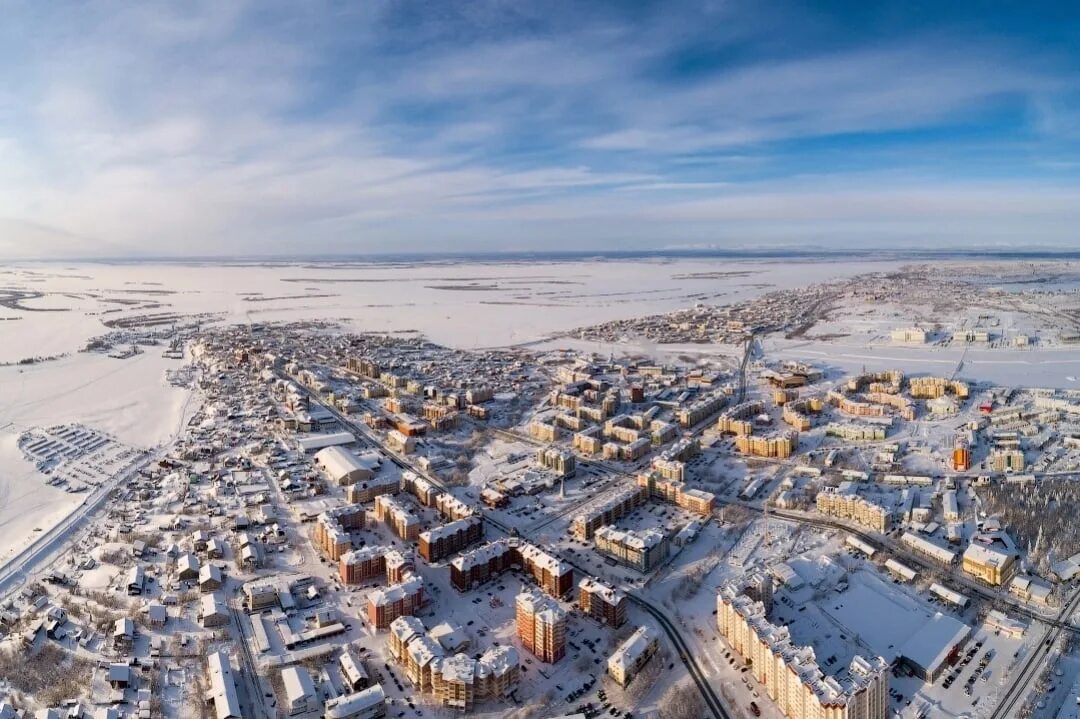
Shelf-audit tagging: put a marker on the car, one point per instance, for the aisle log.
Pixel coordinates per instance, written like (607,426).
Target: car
(754,709)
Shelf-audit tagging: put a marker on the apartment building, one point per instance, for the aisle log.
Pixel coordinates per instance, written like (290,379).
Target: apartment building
(457,681)
(541,626)
(842,502)
(362,565)
(934,387)
(368,490)
(398,517)
(631,656)
(386,605)
(560,461)
(700,410)
(993,565)
(777,444)
(440,542)
(693,500)
(791,675)
(739,420)
(398,441)
(624,501)
(543,431)
(853,432)
(602,602)
(422,488)
(554,576)
(331,531)
(588,441)
(452,508)
(641,550)
(1007,460)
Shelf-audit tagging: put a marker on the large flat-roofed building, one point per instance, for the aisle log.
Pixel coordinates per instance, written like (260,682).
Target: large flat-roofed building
(641,550)
(541,625)
(342,467)
(990,564)
(443,541)
(934,647)
(791,675)
(631,656)
(601,602)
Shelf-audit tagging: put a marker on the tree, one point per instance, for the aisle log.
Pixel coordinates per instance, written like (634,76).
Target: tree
(682,701)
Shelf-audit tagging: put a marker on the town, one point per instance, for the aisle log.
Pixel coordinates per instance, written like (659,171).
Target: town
(363,525)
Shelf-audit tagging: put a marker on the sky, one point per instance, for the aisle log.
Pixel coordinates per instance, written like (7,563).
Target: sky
(266,128)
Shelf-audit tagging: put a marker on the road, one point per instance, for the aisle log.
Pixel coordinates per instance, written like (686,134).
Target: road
(1033,665)
(17,569)
(713,702)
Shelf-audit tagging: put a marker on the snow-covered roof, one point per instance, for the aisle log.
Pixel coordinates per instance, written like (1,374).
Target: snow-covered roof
(930,646)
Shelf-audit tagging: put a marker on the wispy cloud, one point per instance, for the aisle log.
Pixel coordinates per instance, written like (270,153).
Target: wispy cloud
(273,127)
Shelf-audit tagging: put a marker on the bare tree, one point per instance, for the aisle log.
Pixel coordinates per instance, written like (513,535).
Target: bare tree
(682,701)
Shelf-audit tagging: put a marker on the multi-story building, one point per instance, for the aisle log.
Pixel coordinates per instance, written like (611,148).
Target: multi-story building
(693,500)
(641,550)
(778,444)
(739,420)
(541,626)
(398,517)
(457,681)
(398,441)
(797,413)
(368,490)
(543,431)
(934,387)
(554,576)
(990,564)
(386,605)
(700,409)
(332,528)
(588,440)
(601,602)
(844,503)
(610,511)
(420,487)
(791,675)
(452,508)
(435,544)
(1007,460)
(631,656)
(853,432)
(560,461)
(364,564)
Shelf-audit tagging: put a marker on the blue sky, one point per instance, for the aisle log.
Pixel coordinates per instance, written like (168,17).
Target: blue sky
(263,127)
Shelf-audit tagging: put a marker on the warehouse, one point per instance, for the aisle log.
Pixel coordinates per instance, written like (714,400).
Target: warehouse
(342,467)
(934,647)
